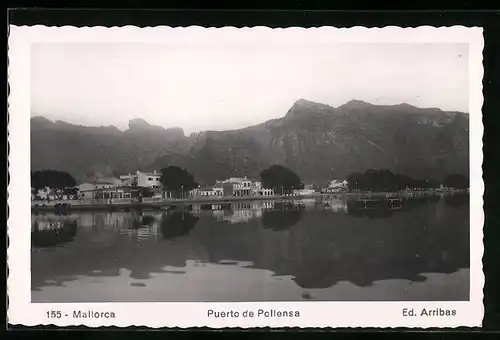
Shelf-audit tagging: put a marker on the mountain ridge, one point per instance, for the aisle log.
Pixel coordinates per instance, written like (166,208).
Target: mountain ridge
(300,101)
(316,140)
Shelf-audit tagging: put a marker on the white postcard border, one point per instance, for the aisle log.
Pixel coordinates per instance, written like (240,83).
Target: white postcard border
(312,314)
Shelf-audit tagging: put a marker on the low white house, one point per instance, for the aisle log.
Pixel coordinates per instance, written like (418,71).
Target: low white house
(113,193)
(86,190)
(219,190)
(336,186)
(304,192)
(266,192)
(48,193)
(209,192)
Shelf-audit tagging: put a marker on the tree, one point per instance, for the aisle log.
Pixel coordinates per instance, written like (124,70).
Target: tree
(456,181)
(278,178)
(379,180)
(71,192)
(177,180)
(385,180)
(56,180)
(355,180)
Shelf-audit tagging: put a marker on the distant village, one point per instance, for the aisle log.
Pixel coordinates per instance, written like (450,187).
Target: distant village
(55,188)
(147,187)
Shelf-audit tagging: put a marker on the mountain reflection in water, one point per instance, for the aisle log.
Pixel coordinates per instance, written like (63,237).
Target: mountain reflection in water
(254,251)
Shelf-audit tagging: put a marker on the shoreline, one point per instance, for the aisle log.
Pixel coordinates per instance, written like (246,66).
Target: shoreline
(183,203)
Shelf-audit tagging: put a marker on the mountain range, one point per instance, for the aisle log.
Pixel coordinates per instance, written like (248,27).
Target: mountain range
(317,141)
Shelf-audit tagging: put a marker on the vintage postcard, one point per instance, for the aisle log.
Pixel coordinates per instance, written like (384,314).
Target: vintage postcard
(253,177)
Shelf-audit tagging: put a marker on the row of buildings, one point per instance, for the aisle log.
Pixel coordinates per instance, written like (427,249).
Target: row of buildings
(233,186)
(128,188)
(127,184)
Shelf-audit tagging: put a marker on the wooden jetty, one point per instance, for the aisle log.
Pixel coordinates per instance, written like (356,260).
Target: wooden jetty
(391,203)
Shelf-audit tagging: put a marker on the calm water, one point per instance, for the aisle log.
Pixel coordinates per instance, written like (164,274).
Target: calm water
(255,251)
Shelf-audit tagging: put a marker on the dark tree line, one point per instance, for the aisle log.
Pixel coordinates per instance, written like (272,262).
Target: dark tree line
(60,181)
(456,181)
(280,178)
(177,180)
(385,180)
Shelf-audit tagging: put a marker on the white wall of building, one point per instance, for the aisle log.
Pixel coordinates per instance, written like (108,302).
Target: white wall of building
(143,179)
(86,190)
(207,193)
(304,192)
(266,192)
(151,180)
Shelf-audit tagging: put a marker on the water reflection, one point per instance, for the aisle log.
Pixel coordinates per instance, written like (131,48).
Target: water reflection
(335,205)
(178,223)
(458,200)
(294,244)
(284,216)
(46,234)
(238,212)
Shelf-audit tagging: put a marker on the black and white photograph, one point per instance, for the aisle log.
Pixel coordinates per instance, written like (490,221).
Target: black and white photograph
(222,168)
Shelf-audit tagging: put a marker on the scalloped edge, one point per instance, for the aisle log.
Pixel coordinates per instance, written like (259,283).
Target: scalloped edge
(14,206)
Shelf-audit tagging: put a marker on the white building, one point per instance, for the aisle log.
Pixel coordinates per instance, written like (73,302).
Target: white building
(113,193)
(266,192)
(143,179)
(194,192)
(256,187)
(86,190)
(304,192)
(241,186)
(336,186)
(219,191)
(207,192)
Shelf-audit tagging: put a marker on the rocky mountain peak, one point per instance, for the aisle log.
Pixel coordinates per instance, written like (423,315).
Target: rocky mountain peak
(303,108)
(138,123)
(355,104)
(176,131)
(40,121)
(312,139)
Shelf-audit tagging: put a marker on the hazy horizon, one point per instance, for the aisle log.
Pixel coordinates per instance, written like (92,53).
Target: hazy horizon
(215,86)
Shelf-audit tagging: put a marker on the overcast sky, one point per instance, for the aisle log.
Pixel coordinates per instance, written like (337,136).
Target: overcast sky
(214,86)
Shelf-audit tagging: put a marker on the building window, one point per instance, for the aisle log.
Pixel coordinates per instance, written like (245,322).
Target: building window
(150,178)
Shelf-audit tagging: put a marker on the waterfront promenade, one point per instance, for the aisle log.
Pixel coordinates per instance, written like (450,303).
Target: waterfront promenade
(184,202)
